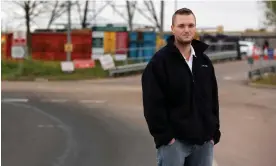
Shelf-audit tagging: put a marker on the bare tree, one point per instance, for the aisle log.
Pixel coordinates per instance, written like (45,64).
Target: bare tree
(83,14)
(32,9)
(57,8)
(151,9)
(131,6)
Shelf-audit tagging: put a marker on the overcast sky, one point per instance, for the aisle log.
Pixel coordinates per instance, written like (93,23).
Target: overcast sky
(233,15)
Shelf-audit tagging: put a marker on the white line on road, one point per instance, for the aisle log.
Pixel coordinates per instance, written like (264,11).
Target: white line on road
(55,100)
(93,101)
(14,100)
(70,142)
(45,126)
(227,78)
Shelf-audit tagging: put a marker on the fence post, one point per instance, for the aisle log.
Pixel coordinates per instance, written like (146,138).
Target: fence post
(238,50)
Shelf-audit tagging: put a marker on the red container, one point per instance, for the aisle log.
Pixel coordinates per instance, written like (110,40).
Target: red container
(6,44)
(50,45)
(121,42)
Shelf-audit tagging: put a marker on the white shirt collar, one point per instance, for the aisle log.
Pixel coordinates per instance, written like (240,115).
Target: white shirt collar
(192,54)
(193,51)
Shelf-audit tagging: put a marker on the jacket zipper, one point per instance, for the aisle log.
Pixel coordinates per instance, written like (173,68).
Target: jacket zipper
(191,72)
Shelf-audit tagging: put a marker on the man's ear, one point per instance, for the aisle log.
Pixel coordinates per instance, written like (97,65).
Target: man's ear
(172,29)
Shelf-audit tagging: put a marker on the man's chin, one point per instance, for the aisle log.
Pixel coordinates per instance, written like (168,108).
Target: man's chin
(186,41)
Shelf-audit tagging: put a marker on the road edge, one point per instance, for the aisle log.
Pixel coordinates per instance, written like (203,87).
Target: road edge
(256,85)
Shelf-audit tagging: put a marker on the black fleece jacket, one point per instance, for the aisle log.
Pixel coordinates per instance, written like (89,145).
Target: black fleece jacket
(179,103)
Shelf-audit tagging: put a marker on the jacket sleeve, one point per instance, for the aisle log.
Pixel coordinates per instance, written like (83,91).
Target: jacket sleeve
(217,133)
(154,103)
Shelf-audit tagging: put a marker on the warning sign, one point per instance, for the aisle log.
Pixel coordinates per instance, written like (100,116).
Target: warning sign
(68,47)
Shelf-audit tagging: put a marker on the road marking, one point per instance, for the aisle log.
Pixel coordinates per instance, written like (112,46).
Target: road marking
(93,101)
(227,78)
(46,126)
(55,100)
(70,147)
(14,100)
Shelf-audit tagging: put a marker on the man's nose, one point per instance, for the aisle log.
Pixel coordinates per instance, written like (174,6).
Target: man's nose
(186,29)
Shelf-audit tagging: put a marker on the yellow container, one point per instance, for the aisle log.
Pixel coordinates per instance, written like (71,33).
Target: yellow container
(159,42)
(109,42)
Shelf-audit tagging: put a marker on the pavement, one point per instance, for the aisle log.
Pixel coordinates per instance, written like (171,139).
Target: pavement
(101,122)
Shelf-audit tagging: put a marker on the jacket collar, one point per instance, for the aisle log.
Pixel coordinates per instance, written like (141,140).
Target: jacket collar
(198,46)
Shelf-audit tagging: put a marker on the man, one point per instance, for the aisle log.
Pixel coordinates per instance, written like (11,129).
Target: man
(180,97)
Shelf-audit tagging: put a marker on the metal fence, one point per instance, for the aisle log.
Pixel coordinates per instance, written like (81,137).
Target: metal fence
(216,52)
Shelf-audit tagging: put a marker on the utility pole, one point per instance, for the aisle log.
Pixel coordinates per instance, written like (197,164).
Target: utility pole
(69,42)
(161,28)
(162,19)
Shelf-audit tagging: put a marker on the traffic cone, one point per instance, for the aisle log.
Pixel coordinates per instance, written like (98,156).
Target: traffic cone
(255,55)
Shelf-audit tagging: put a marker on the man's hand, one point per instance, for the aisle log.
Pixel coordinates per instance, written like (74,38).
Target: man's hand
(172,141)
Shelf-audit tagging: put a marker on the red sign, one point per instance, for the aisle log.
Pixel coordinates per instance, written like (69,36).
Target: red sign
(19,38)
(81,64)
(19,41)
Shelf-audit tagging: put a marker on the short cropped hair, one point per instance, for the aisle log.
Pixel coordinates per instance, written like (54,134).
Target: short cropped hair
(182,11)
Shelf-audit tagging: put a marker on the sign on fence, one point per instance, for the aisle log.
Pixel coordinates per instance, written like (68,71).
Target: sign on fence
(18,52)
(68,47)
(18,44)
(81,64)
(107,62)
(67,66)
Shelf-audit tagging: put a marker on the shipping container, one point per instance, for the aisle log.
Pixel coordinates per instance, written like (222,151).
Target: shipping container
(149,45)
(109,42)
(133,44)
(109,28)
(121,42)
(6,44)
(121,45)
(97,44)
(50,46)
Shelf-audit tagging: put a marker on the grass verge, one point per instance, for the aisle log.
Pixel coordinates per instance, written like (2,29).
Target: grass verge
(32,69)
(269,79)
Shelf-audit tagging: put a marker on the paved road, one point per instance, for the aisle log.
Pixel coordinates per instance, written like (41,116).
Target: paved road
(29,137)
(37,132)
(104,119)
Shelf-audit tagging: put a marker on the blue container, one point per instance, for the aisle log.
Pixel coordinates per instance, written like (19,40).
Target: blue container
(149,45)
(132,44)
(132,50)
(133,36)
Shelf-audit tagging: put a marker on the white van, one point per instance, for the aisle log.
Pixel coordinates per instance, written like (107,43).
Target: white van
(246,48)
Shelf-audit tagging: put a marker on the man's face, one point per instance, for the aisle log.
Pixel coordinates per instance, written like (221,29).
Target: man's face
(184,28)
